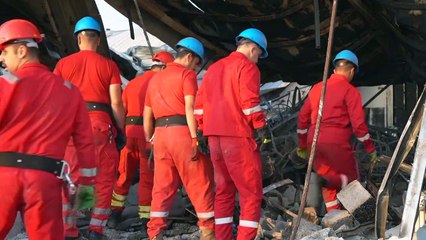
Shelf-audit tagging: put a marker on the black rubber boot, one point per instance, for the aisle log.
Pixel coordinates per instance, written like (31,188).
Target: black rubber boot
(96,236)
(114,218)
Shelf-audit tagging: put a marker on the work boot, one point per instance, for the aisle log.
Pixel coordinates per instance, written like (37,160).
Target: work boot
(158,237)
(207,234)
(96,236)
(114,218)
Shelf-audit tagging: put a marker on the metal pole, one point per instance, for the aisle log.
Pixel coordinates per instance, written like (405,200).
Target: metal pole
(317,25)
(143,27)
(317,126)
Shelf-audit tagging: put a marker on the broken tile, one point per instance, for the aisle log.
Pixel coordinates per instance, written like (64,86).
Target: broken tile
(358,201)
(336,218)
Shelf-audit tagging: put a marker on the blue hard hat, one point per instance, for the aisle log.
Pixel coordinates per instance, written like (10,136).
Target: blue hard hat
(193,45)
(87,23)
(347,55)
(256,36)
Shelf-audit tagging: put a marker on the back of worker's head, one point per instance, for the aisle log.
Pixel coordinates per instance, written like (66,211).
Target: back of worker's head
(346,63)
(87,31)
(190,52)
(161,59)
(252,43)
(18,43)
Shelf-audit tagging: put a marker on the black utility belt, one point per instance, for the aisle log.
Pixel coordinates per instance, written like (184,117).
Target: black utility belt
(27,161)
(175,120)
(95,106)
(134,120)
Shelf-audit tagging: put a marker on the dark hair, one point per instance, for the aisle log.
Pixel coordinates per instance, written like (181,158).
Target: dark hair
(182,52)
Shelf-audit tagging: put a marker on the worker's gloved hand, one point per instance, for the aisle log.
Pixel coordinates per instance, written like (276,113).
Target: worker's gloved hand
(194,146)
(302,152)
(264,137)
(203,144)
(373,156)
(85,197)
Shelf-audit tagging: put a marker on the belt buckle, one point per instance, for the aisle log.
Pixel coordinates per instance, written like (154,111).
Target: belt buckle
(63,172)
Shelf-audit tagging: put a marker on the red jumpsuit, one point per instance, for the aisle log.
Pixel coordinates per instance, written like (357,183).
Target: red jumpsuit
(342,115)
(135,151)
(227,110)
(173,151)
(93,74)
(39,112)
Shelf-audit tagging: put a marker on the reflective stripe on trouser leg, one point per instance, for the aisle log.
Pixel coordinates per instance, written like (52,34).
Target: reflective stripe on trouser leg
(330,198)
(243,163)
(224,201)
(69,217)
(105,178)
(146,178)
(43,204)
(197,179)
(129,161)
(144,211)
(166,183)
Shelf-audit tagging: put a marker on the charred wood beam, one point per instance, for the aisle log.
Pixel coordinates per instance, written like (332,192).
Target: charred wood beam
(403,5)
(379,18)
(406,168)
(230,18)
(152,8)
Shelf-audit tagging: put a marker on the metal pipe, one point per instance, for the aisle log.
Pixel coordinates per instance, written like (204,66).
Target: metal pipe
(52,20)
(415,186)
(375,96)
(129,17)
(143,27)
(405,144)
(318,123)
(317,25)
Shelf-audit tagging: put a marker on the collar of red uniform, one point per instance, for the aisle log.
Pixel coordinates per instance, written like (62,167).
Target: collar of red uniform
(174,64)
(338,77)
(33,64)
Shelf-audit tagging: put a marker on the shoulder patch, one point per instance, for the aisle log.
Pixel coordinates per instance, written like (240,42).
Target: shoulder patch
(11,78)
(67,84)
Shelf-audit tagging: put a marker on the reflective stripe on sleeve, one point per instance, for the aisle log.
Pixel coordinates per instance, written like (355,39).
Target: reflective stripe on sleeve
(198,111)
(302,131)
(88,172)
(70,220)
(97,222)
(66,207)
(224,220)
(118,197)
(205,215)
(160,214)
(366,137)
(101,211)
(247,223)
(252,110)
(144,208)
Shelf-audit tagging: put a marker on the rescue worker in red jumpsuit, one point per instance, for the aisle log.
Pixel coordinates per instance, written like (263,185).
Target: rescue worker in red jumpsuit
(137,149)
(228,111)
(170,101)
(342,115)
(98,79)
(39,112)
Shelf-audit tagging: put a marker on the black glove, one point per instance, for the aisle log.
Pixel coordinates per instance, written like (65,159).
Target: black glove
(203,144)
(263,136)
